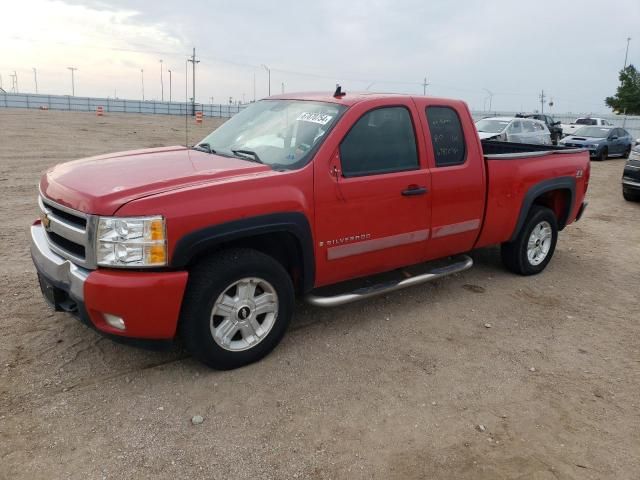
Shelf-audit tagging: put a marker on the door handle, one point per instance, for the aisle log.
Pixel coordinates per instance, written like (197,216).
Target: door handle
(412,190)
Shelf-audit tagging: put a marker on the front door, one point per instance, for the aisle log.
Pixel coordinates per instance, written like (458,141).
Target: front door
(372,195)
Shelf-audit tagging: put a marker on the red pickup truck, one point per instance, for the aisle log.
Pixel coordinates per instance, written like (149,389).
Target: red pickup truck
(297,195)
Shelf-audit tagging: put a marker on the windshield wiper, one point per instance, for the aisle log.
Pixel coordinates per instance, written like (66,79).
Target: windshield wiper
(204,147)
(248,153)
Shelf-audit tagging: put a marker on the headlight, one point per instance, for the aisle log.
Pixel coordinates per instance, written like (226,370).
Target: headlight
(634,155)
(131,242)
(592,146)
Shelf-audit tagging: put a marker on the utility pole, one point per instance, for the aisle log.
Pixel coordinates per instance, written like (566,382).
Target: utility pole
(283,88)
(626,53)
(35,79)
(169,85)
(542,97)
(424,86)
(161,83)
(142,78)
(269,75)
(73,81)
(193,99)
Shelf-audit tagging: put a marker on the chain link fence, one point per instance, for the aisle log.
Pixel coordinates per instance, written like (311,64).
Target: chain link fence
(116,105)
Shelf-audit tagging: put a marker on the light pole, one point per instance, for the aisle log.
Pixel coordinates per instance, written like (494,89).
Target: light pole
(142,79)
(490,97)
(626,53)
(73,81)
(424,86)
(161,83)
(169,85)
(269,76)
(35,79)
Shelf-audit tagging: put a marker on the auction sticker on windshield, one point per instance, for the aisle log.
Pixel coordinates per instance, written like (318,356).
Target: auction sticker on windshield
(320,118)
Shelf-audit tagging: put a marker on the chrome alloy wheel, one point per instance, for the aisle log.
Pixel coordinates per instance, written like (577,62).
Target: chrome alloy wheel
(539,243)
(244,314)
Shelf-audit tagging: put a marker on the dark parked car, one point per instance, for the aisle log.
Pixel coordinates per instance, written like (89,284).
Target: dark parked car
(602,142)
(554,127)
(631,176)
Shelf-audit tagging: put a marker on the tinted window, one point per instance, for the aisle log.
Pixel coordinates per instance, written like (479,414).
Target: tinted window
(447,137)
(381,141)
(529,127)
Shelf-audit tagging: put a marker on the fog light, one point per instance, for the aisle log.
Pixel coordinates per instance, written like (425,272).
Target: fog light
(114,320)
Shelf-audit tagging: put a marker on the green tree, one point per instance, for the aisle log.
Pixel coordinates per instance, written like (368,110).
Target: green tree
(627,97)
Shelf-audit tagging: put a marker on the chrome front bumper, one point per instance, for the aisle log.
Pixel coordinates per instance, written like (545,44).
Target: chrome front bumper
(61,272)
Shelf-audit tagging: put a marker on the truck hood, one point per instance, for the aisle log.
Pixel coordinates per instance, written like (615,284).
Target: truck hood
(102,184)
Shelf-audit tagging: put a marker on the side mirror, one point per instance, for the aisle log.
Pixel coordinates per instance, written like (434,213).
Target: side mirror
(556,123)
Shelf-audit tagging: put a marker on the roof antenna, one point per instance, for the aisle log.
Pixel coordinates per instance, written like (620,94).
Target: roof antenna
(339,93)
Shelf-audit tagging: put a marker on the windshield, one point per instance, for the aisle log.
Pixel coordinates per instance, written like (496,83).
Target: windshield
(492,126)
(586,121)
(280,133)
(596,132)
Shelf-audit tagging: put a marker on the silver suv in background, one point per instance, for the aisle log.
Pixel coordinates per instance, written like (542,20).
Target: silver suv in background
(517,130)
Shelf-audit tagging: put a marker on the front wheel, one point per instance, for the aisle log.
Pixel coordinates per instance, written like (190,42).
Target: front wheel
(631,195)
(236,309)
(627,152)
(603,155)
(533,248)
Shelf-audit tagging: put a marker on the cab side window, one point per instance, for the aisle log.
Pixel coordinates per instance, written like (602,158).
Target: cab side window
(381,141)
(447,137)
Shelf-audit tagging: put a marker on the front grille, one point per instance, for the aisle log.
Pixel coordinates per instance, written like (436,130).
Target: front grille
(69,232)
(80,222)
(71,247)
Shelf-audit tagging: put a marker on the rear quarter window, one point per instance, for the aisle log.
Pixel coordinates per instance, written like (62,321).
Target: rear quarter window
(447,137)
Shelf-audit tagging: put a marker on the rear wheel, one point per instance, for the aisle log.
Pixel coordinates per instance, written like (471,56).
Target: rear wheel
(533,248)
(237,308)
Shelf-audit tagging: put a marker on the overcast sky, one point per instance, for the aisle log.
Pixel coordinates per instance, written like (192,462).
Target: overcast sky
(571,49)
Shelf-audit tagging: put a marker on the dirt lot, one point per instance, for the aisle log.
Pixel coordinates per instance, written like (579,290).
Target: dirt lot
(394,388)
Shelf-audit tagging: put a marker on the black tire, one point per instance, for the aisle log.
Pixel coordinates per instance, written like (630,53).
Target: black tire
(627,152)
(514,254)
(208,281)
(630,195)
(603,155)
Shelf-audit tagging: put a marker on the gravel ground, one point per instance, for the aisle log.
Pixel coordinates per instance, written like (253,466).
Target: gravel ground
(410,385)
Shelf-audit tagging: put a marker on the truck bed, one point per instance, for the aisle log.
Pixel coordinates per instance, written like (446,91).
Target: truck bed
(496,150)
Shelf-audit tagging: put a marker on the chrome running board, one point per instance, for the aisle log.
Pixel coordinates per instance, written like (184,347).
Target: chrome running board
(461,264)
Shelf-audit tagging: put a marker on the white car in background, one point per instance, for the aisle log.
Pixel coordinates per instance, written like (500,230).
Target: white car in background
(570,129)
(517,130)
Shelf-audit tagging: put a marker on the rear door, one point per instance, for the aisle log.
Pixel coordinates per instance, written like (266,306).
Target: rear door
(458,178)
(616,142)
(373,202)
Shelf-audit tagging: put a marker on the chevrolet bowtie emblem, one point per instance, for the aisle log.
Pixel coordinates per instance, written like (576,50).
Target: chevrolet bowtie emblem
(46,221)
